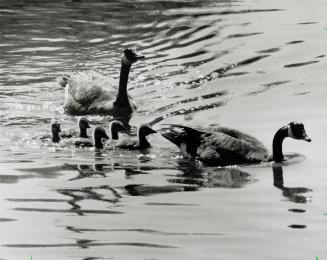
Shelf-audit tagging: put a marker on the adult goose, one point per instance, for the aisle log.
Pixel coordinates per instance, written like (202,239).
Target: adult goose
(85,95)
(227,146)
(140,142)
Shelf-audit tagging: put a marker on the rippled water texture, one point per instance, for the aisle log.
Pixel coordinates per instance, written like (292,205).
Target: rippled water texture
(251,65)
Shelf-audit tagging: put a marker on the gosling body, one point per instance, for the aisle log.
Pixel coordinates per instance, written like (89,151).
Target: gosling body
(140,142)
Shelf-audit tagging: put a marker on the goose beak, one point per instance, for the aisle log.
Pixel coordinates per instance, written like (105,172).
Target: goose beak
(140,57)
(307,138)
(151,131)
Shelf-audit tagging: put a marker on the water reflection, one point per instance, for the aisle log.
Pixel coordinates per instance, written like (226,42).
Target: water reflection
(140,230)
(295,194)
(40,172)
(142,181)
(103,193)
(88,171)
(85,243)
(146,190)
(211,177)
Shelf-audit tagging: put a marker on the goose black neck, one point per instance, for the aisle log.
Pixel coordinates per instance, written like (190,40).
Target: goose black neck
(278,143)
(114,135)
(143,142)
(278,176)
(55,138)
(83,133)
(122,97)
(98,143)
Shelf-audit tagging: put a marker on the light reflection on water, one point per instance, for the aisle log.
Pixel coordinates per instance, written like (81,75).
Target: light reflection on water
(201,57)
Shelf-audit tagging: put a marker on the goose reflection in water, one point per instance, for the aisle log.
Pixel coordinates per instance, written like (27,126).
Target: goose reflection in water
(88,171)
(193,178)
(295,194)
(103,193)
(211,177)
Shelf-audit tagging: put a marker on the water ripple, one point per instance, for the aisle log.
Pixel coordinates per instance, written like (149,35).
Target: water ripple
(145,231)
(90,244)
(221,71)
(68,211)
(300,64)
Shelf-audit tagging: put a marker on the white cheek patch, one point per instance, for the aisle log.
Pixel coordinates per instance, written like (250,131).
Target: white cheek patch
(66,90)
(184,152)
(126,61)
(289,131)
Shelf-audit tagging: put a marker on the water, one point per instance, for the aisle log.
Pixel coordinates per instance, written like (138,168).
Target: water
(251,65)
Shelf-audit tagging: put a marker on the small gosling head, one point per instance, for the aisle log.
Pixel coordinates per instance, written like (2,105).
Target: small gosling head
(55,130)
(115,127)
(83,123)
(55,127)
(99,135)
(145,130)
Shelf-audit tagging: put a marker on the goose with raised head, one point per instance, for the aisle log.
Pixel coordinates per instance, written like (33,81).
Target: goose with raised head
(86,95)
(227,146)
(140,142)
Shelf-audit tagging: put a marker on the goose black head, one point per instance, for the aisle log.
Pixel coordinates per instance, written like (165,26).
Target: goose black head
(115,127)
(130,56)
(55,127)
(145,130)
(55,130)
(99,133)
(83,123)
(296,131)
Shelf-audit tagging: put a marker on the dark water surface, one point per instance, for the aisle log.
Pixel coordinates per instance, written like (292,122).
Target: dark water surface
(251,65)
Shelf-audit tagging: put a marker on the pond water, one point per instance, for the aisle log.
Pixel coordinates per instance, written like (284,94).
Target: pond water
(251,65)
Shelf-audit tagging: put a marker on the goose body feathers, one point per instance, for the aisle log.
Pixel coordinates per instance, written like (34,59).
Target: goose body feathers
(227,146)
(89,93)
(224,149)
(93,94)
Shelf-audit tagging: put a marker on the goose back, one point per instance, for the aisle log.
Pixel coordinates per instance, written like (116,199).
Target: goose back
(220,148)
(244,137)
